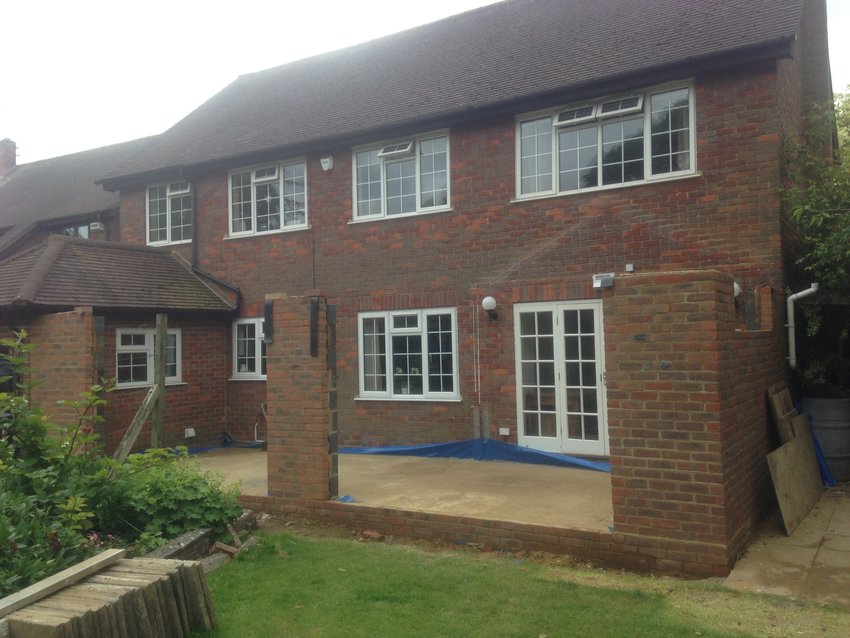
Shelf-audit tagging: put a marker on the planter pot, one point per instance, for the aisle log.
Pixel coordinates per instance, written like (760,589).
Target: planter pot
(830,420)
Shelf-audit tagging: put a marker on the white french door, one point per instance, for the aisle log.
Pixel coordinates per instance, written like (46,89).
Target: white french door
(561,377)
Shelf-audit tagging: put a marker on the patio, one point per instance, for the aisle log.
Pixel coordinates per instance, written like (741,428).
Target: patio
(516,492)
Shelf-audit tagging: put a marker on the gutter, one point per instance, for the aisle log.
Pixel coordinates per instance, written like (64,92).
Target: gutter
(792,339)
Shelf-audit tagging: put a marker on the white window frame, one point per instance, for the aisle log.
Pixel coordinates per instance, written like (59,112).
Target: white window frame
(175,189)
(389,152)
(148,350)
(260,176)
(422,330)
(599,120)
(259,345)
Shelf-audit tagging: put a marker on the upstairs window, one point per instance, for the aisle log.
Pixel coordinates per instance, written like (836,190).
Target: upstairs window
(615,141)
(169,213)
(134,357)
(402,178)
(408,354)
(268,199)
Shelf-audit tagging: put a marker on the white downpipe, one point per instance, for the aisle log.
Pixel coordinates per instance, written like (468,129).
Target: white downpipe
(792,339)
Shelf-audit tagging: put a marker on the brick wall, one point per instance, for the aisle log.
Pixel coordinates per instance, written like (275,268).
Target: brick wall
(198,402)
(725,217)
(62,360)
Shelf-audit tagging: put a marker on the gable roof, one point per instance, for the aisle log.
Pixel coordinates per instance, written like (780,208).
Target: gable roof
(498,55)
(61,187)
(63,272)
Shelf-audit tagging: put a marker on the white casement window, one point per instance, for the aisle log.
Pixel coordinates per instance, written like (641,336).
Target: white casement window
(401,178)
(249,349)
(134,357)
(268,199)
(621,140)
(408,354)
(169,217)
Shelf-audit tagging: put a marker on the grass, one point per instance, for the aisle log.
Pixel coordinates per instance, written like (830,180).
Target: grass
(298,586)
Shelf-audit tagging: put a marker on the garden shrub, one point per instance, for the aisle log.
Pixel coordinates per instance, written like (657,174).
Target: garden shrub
(61,499)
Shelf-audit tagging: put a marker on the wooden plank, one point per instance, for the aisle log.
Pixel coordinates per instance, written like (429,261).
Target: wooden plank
(796,478)
(783,424)
(56,582)
(132,433)
(158,415)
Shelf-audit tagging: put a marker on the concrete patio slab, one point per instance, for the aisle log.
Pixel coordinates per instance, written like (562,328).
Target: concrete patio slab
(811,564)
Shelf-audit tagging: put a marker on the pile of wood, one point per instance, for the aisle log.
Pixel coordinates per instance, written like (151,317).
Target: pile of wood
(793,466)
(112,596)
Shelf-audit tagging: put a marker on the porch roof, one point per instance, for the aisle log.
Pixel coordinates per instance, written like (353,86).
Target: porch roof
(63,272)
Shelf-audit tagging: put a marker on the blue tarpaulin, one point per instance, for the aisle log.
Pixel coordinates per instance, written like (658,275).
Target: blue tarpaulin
(484,450)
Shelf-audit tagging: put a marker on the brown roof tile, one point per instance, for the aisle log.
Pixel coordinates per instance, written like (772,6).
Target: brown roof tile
(63,272)
(62,187)
(495,55)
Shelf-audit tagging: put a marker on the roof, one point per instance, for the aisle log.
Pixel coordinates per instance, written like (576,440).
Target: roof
(63,272)
(61,187)
(496,55)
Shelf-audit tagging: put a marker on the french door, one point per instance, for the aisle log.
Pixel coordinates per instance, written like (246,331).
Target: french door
(561,377)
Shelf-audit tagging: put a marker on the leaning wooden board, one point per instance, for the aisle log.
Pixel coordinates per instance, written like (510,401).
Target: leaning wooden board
(795,474)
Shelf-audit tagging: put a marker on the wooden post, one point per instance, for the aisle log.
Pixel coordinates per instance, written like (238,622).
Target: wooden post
(159,378)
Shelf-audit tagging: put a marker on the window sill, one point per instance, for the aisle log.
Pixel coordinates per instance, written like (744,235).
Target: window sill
(280,231)
(403,399)
(610,187)
(247,379)
(382,218)
(147,386)
(160,244)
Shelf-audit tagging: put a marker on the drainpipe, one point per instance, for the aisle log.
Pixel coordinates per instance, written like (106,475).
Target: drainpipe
(792,339)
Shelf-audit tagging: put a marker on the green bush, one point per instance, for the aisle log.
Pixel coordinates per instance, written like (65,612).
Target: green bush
(161,494)
(61,499)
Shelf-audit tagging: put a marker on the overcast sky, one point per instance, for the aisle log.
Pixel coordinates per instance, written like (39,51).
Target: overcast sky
(78,74)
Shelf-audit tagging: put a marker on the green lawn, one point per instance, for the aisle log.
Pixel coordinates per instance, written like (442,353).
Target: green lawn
(298,586)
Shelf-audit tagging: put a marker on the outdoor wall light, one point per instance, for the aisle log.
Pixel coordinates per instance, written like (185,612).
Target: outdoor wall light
(489,304)
(327,163)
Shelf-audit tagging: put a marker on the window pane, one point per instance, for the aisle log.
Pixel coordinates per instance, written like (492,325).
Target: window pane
(181,218)
(294,195)
(240,195)
(622,151)
(268,206)
(374,355)
(401,187)
(670,131)
(246,343)
(407,364)
(433,172)
(368,183)
(578,159)
(157,214)
(440,370)
(536,155)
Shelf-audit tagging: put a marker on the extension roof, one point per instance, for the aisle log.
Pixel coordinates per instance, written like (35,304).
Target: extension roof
(62,187)
(62,272)
(497,57)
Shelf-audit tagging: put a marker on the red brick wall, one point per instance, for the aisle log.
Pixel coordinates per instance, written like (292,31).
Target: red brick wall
(62,361)
(198,402)
(725,217)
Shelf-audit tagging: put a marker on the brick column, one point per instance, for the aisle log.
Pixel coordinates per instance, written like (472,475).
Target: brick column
(300,465)
(664,406)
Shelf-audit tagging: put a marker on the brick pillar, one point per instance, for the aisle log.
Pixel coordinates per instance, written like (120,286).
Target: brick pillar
(664,407)
(298,391)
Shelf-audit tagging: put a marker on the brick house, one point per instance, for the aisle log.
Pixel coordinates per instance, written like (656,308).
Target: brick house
(603,174)
(58,196)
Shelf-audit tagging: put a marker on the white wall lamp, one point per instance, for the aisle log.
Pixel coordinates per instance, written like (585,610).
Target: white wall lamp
(489,304)
(327,163)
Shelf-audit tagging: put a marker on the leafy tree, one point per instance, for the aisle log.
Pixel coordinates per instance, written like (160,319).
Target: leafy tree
(818,194)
